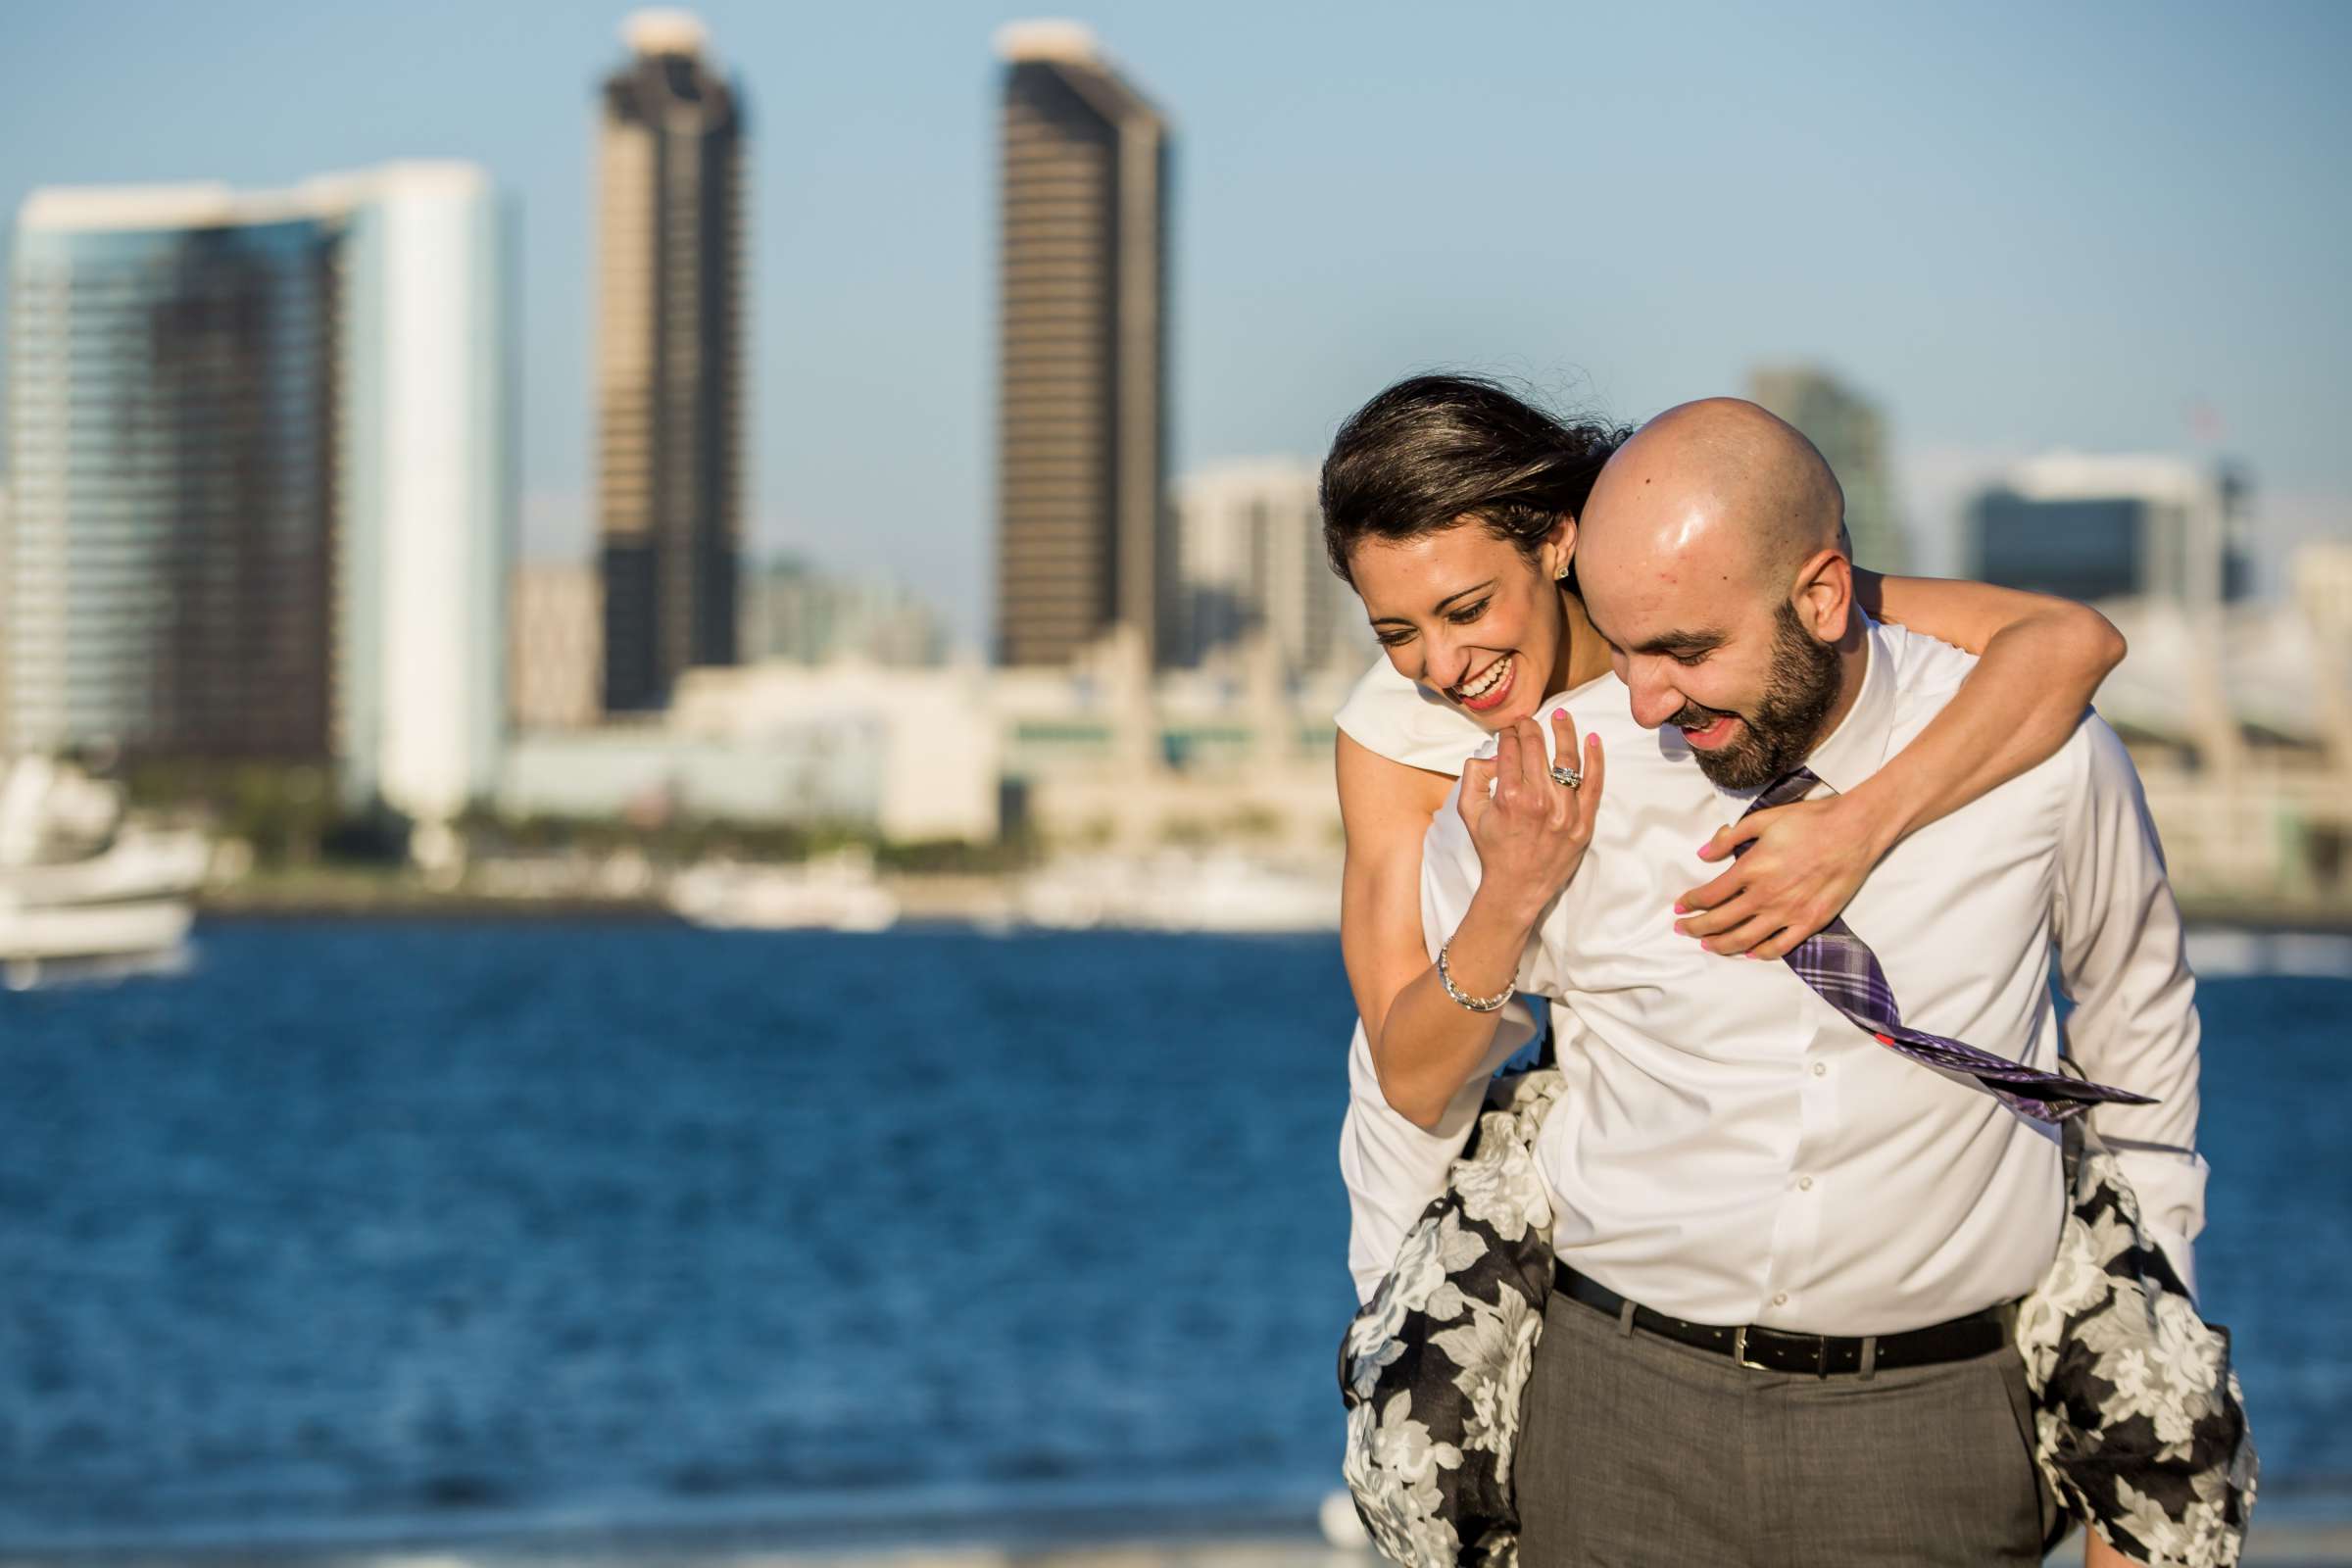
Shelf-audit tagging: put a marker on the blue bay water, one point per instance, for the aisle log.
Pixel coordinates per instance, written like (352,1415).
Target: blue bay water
(365,1224)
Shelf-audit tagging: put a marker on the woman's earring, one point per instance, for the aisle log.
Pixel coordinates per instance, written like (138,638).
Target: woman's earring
(1561,575)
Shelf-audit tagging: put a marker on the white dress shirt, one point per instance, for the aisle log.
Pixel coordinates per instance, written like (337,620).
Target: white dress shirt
(1732,1150)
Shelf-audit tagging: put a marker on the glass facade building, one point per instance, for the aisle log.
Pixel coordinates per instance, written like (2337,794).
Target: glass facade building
(167,564)
(1851,435)
(1251,561)
(669,365)
(1083,541)
(426,488)
(261,451)
(2114,527)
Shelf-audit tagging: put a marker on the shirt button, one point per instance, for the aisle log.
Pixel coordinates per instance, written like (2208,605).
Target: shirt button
(1804,1184)
(1821,1069)
(1780,1297)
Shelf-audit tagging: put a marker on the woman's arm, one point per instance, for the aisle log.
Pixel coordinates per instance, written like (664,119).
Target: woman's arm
(1530,835)
(2041,660)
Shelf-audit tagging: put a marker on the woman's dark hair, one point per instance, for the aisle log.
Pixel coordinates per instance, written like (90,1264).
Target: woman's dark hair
(1435,449)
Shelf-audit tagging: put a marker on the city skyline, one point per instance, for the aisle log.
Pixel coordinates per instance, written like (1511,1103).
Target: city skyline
(2087,229)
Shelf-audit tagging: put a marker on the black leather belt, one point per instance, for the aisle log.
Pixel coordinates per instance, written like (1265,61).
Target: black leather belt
(1777,1351)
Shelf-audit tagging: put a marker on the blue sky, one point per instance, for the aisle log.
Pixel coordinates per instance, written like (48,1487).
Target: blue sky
(2020,226)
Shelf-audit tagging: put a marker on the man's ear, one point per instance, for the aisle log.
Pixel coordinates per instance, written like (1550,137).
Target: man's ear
(1823,596)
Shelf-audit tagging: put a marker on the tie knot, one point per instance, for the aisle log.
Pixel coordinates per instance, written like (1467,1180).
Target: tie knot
(1789,786)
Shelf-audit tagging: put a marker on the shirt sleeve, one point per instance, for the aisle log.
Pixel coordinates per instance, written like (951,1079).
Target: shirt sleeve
(1392,1168)
(1392,716)
(2122,962)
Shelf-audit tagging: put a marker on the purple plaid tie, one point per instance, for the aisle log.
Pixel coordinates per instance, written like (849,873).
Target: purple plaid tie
(1841,966)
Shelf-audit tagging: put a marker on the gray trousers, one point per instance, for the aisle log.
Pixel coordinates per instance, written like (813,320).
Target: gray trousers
(1637,1450)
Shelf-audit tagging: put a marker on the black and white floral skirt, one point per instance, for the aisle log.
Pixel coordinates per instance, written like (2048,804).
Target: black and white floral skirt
(2141,1424)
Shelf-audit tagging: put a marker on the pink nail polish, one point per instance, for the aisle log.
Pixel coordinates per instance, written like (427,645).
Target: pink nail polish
(1682,909)
(1560,713)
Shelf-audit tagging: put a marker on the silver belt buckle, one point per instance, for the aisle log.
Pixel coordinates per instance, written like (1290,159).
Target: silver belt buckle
(1739,1350)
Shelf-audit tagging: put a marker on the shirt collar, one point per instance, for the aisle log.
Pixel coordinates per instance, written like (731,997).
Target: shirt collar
(1857,747)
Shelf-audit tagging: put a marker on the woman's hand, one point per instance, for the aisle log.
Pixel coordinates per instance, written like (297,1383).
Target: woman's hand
(1530,829)
(1803,864)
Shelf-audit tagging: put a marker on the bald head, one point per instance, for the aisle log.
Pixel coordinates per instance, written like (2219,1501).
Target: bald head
(1717,485)
(1710,558)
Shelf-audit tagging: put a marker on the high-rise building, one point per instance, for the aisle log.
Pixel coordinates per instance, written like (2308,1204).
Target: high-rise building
(794,614)
(426,488)
(669,384)
(1082,539)
(169,562)
(2113,527)
(1252,562)
(556,659)
(261,445)
(1851,435)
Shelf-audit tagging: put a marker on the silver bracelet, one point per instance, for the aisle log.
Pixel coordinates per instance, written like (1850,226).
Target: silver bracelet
(1473,1004)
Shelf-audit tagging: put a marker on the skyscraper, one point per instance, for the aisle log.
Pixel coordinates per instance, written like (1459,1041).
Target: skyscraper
(669,360)
(1851,434)
(426,487)
(2114,527)
(166,577)
(1249,550)
(1082,535)
(264,504)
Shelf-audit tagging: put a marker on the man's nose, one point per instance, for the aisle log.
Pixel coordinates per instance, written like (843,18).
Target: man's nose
(1654,700)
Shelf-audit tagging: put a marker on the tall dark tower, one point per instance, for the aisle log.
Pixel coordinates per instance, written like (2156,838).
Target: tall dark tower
(669,360)
(1083,542)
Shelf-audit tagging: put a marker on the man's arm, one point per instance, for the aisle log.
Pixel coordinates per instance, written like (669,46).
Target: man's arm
(2121,961)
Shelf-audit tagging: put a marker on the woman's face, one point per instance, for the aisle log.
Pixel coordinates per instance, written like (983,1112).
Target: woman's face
(1468,615)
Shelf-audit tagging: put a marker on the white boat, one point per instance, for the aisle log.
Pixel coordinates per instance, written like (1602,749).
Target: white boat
(80,893)
(42,943)
(839,894)
(1178,892)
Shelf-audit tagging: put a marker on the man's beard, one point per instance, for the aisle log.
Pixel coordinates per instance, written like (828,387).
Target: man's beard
(1798,697)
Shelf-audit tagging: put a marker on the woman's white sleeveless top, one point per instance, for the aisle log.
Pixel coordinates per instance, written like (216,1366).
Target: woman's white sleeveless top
(1407,723)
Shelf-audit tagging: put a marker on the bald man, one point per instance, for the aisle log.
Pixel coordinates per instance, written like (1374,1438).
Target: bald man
(1787,1249)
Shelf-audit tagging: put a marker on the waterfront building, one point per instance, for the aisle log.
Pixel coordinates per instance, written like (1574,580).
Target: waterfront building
(906,756)
(167,566)
(2319,579)
(425,489)
(669,360)
(262,447)
(1251,564)
(1851,434)
(558,645)
(1082,415)
(2110,528)
(795,614)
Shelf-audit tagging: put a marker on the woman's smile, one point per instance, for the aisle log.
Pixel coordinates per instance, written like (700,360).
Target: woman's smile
(1489,688)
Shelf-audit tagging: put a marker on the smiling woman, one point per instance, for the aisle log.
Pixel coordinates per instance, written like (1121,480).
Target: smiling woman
(1451,506)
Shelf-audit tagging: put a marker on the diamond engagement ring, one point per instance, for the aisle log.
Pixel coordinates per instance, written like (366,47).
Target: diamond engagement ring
(1566,775)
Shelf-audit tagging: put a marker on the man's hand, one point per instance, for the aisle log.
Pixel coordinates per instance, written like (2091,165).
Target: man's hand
(1529,830)
(1803,864)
